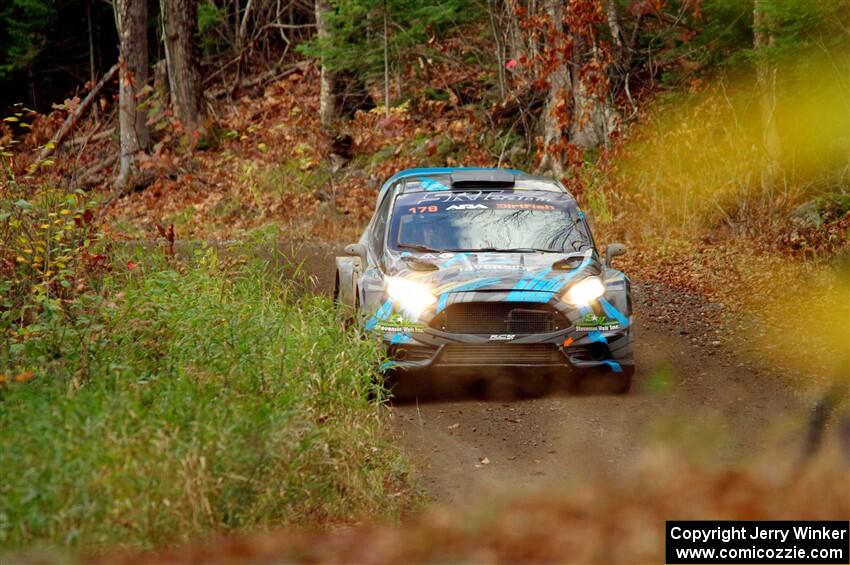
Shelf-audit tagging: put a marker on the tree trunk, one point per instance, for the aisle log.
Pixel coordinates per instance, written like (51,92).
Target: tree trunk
(180,36)
(612,14)
(766,85)
(499,47)
(327,101)
(559,87)
(92,55)
(386,63)
(131,18)
(593,116)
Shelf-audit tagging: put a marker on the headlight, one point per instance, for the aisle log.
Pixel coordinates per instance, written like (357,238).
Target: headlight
(585,291)
(412,296)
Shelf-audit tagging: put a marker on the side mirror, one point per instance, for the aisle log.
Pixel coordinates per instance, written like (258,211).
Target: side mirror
(613,250)
(357,250)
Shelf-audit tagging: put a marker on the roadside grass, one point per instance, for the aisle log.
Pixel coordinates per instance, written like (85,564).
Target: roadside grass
(184,401)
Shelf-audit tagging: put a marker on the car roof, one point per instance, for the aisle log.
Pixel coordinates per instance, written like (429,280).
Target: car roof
(466,178)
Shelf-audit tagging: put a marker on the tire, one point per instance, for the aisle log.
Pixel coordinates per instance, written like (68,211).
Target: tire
(606,382)
(403,386)
(344,313)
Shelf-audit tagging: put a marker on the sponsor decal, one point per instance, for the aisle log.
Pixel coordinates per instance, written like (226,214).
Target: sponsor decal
(593,323)
(466,207)
(526,206)
(490,195)
(491,267)
(422,209)
(502,337)
(397,329)
(397,323)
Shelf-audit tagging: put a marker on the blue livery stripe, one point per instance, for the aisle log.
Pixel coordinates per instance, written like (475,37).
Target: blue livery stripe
(537,288)
(442,302)
(597,336)
(382,314)
(611,311)
(455,259)
(401,338)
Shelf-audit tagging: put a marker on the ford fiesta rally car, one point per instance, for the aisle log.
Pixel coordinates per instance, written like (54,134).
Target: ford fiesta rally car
(484,268)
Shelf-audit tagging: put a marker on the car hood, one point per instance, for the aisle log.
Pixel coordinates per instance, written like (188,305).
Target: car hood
(492,271)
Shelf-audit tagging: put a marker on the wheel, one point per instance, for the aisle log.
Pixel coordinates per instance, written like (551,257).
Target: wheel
(403,386)
(606,381)
(344,313)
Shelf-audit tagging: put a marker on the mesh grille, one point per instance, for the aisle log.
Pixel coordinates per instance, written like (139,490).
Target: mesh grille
(531,354)
(500,317)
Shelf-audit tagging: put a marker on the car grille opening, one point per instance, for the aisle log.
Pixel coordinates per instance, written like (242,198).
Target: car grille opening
(486,354)
(499,317)
(410,352)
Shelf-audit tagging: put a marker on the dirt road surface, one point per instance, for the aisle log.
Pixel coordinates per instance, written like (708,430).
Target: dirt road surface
(688,389)
(692,388)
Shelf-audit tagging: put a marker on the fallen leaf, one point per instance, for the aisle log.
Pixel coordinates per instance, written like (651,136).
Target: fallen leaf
(24,377)
(484,461)
(454,426)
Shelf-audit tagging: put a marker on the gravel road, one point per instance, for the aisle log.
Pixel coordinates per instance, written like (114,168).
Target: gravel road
(690,389)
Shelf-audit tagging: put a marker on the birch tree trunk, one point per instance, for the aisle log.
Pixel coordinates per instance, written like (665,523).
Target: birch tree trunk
(180,36)
(327,101)
(612,14)
(131,19)
(766,85)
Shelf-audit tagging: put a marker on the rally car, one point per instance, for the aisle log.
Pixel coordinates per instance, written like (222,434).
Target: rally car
(481,268)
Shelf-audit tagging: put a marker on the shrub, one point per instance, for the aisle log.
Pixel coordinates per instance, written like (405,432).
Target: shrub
(51,255)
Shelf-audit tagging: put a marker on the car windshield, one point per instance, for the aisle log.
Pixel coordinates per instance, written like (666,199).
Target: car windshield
(504,220)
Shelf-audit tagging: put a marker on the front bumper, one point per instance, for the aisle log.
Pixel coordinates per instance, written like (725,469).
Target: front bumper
(567,348)
(507,329)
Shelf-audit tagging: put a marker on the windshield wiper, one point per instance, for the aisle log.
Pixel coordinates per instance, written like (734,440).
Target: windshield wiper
(419,247)
(508,250)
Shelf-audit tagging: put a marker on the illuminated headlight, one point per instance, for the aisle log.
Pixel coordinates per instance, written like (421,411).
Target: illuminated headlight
(413,297)
(585,291)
